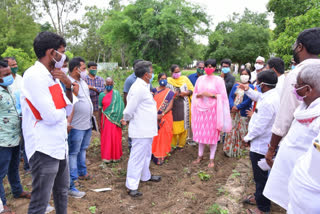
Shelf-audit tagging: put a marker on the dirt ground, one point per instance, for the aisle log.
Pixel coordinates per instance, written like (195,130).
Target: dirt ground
(180,191)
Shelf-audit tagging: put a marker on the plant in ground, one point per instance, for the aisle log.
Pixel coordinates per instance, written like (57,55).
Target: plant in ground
(216,209)
(235,174)
(221,190)
(204,176)
(92,209)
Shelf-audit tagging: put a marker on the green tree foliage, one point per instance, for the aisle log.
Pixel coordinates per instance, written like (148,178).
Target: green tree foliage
(283,9)
(241,39)
(23,59)
(154,30)
(283,45)
(17,26)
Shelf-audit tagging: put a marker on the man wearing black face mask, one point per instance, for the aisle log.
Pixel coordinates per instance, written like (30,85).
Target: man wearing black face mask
(200,71)
(44,108)
(305,52)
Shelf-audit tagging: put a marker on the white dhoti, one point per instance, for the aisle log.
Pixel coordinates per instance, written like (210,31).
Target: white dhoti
(139,162)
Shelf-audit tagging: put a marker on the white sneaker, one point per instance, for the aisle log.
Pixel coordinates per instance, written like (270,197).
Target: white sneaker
(76,193)
(49,209)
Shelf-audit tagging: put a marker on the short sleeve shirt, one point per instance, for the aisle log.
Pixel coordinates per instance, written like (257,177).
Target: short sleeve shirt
(128,83)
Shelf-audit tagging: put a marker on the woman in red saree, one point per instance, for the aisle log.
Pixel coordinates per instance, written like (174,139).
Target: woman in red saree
(161,144)
(112,106)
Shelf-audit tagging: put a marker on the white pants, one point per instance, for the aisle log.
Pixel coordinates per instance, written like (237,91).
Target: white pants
(139,162)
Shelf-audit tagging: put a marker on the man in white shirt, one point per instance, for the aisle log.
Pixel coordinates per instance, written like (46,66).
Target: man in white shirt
(277,65)
(258,68)
(141,112)
(306,51)
(81,126)
(259,132)
(45,124)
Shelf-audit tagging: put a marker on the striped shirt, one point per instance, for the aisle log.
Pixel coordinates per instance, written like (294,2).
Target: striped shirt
(98,83)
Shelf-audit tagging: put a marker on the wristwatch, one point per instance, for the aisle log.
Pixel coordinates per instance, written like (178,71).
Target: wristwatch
(70,89)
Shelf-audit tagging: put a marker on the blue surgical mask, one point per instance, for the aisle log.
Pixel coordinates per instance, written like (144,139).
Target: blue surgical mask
(225,70)
(163,82)
(293,67)
(8,80)
(152,78)
(109,87)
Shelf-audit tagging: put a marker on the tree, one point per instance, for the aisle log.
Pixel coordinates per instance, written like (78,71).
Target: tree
(283,45)
(154,30)
(283,9)
(58,11)
(241,39)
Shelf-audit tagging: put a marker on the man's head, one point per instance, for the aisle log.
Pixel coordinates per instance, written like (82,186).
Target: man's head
(6,77)
(136,61)
(307,45)
(49,48)
(308,87)
(200,68)
(267,80)
(210,63)
(143,70)
(12,64)
(276,64)
(259,63)
(92,67)
(225,66)
(109,84)
(77,68)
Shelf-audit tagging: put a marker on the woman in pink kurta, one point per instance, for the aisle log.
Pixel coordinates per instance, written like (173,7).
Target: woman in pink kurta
(210,111)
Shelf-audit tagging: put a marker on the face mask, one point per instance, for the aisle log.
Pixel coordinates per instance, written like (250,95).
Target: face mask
(61,62)
(260,85)
(293,67)
(83,74)
(176,75)
(200,71)
(163,82)
(209,71)
(225,70)
(14,70)
(258,66)
(109,87)
(300,98)
(152,78)
(244,78)
(93,72)
(8,80)
(65,70)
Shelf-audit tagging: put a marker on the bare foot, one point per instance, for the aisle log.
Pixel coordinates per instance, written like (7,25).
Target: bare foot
(211,164)
(199,159)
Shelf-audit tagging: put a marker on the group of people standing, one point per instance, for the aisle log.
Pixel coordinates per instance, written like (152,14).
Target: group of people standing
(60,103)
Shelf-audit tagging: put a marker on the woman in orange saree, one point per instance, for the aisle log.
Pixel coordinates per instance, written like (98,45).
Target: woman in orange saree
(161,144)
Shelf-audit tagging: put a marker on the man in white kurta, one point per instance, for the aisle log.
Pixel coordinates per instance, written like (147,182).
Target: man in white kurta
(141,113)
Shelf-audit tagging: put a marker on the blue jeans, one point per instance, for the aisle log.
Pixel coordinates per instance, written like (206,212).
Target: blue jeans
(9,165)
(78,141)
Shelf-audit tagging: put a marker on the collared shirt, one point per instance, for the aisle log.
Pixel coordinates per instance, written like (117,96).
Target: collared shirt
(193,78)
(280,84)
(141,111)
(49,135)
(10,131)
(289,102)
(16,89)
(128,83)
(97,82)
(253,76)
(260,125)
(83,109)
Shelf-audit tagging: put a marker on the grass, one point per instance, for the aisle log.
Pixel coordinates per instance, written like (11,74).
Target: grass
(216,209)
(204,176)
(235,174)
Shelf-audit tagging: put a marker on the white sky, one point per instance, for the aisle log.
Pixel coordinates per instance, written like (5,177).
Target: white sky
(219,10)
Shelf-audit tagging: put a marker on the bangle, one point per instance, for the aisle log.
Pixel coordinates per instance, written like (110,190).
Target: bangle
(163,114)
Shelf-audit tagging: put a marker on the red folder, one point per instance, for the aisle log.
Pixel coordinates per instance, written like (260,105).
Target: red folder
(57,97)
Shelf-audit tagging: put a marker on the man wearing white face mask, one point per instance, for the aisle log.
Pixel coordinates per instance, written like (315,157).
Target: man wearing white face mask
(80,123)
(258,68)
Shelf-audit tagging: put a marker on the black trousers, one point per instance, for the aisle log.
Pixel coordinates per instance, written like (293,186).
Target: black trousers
(260,178)
(48,175)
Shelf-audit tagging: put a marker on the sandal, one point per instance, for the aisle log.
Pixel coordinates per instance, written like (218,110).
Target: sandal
(6,210)
(85,177)
(24,194)
(211,164)
(198,160)
(248,200)
(256,211)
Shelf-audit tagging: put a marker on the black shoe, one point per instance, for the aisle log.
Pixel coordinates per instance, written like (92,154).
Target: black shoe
(155,178)
(134,193)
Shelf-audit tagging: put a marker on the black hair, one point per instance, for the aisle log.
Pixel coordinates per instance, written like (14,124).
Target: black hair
(211,62)
(67,59)
(268,76)
(199,63)
(173,67)
(248,71)
(276,63)
(75,62)
(141,68)
(47,40)
(310,39)
(3,64)
(226,61)
(6,59)
(160,75)
(91,64)
(136,61)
